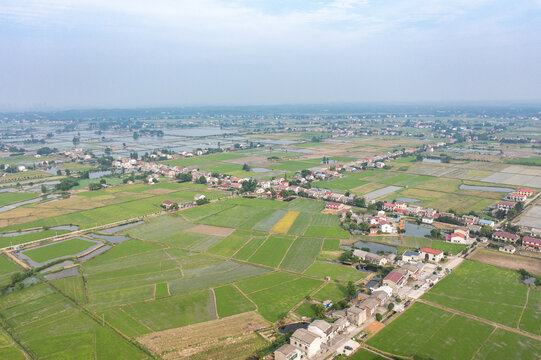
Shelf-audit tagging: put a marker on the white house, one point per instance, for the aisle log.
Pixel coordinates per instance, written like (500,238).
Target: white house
(458,238)
(306,341)
(510,249)
(321,328)
(431,254)
(356,315)
(288,352)
(385,227)
(411,256)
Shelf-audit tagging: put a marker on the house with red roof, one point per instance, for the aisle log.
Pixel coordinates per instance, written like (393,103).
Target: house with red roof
(385,227)
(388,206)
(516,197)
(505,236)
(526,192)
(458,238)
(333,206)
(396,279)
(430,254)
(531,242)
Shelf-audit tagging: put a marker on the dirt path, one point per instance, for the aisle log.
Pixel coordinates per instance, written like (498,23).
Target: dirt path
(290,245)
(523,308)
(246,296)
(380,352)
(215,303)
(483,344)
(480,319)
(175,260)
(18,261)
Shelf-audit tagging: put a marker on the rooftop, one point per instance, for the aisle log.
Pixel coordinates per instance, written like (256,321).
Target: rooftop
(505,234)
(431,251)
(304,336)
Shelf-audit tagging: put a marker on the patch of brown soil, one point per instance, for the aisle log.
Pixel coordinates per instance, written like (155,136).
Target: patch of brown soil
(211,230)
(374,327)
(192,339)
(514,262)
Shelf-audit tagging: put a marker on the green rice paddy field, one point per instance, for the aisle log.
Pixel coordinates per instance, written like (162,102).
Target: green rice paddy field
(480,290)
(175,271)
(172,273)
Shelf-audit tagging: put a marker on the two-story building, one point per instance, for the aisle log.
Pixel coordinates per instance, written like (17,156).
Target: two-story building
(430,254)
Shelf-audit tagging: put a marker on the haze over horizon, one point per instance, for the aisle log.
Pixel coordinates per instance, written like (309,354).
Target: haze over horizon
(65,54)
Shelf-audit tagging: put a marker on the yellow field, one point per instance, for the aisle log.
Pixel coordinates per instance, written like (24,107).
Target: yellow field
(285,223)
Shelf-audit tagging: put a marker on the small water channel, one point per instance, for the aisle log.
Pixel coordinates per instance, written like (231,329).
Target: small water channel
(485,188)
(116,229)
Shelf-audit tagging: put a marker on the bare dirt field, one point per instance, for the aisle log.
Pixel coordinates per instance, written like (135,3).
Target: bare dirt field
(508,261)
(257,161)
(159,191)
(211,230)
(188,341)
(374,327)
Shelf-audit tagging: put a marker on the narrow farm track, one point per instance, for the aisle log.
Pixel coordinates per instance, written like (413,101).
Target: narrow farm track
(483,344)
(16,342)
(480,319)
(373,351)
(246,296)
(382,353)
(98,320)
(523,308)
(289,248)
(215,303)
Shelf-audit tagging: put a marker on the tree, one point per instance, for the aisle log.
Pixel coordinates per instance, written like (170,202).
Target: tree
(246,167)
(94,186)
(46,150)
(365,226)
(135,135)
(390,306)
(184,177)
(66,184)
(351,288)
(305,173)
(76,141)
(43,189)
(85,175)
(435,234)
(201,180)
(346,256)
(249,185)
(486,231)
(202,201)
(320,310)
(379,317)
(284,193)
(419,157)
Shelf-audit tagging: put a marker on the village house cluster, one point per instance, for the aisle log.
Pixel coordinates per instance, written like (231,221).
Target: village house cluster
(415,274)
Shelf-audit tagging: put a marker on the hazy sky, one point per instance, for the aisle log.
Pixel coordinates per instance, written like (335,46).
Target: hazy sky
(119,53)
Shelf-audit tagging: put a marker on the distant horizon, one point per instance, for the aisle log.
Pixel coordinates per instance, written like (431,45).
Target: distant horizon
(470,103)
